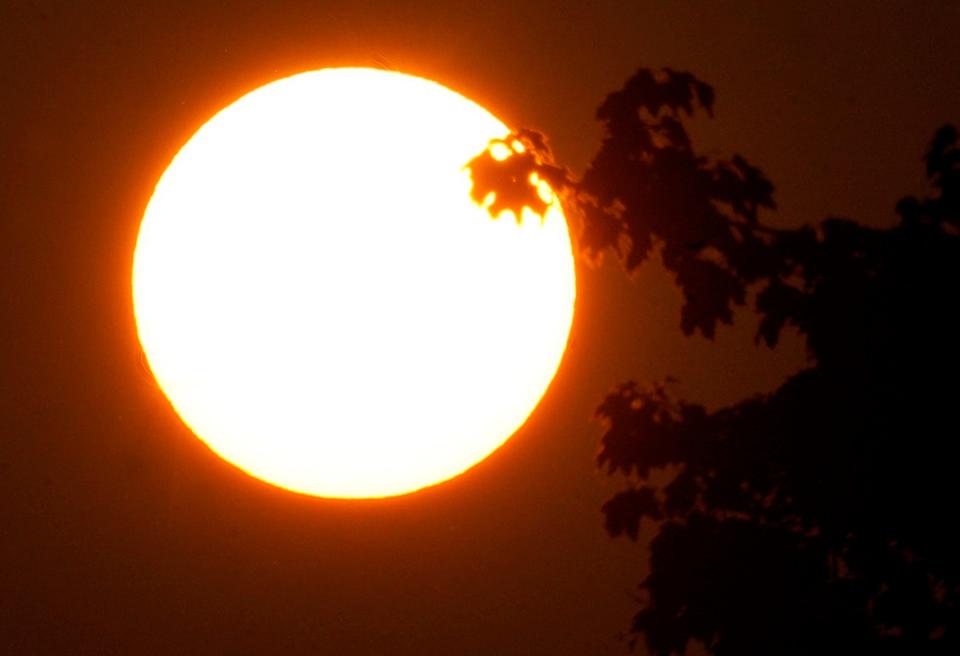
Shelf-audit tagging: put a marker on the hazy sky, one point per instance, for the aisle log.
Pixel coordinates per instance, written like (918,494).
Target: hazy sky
(121,533)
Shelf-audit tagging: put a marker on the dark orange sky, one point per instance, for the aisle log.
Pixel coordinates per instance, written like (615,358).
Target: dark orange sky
(121,533)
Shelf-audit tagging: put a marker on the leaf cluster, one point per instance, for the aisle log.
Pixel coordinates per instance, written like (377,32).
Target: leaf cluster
(818,518)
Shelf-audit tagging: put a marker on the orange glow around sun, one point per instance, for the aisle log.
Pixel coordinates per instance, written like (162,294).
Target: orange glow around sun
(325,306)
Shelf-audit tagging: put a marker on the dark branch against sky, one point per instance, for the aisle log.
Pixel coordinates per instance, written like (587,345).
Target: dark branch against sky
(815,518)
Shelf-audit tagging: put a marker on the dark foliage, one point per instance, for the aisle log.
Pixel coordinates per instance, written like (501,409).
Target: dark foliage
(509,179)
(647,188)
(818,519)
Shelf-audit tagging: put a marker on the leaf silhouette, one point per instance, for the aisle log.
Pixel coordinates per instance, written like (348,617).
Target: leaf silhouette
(816,519)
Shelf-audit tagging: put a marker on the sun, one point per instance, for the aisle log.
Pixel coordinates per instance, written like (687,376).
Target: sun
(325,306)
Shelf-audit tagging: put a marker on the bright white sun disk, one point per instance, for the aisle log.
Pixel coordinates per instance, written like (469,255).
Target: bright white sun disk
(325,306)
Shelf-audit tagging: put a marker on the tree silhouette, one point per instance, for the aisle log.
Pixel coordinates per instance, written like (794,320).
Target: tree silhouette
(817,519)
